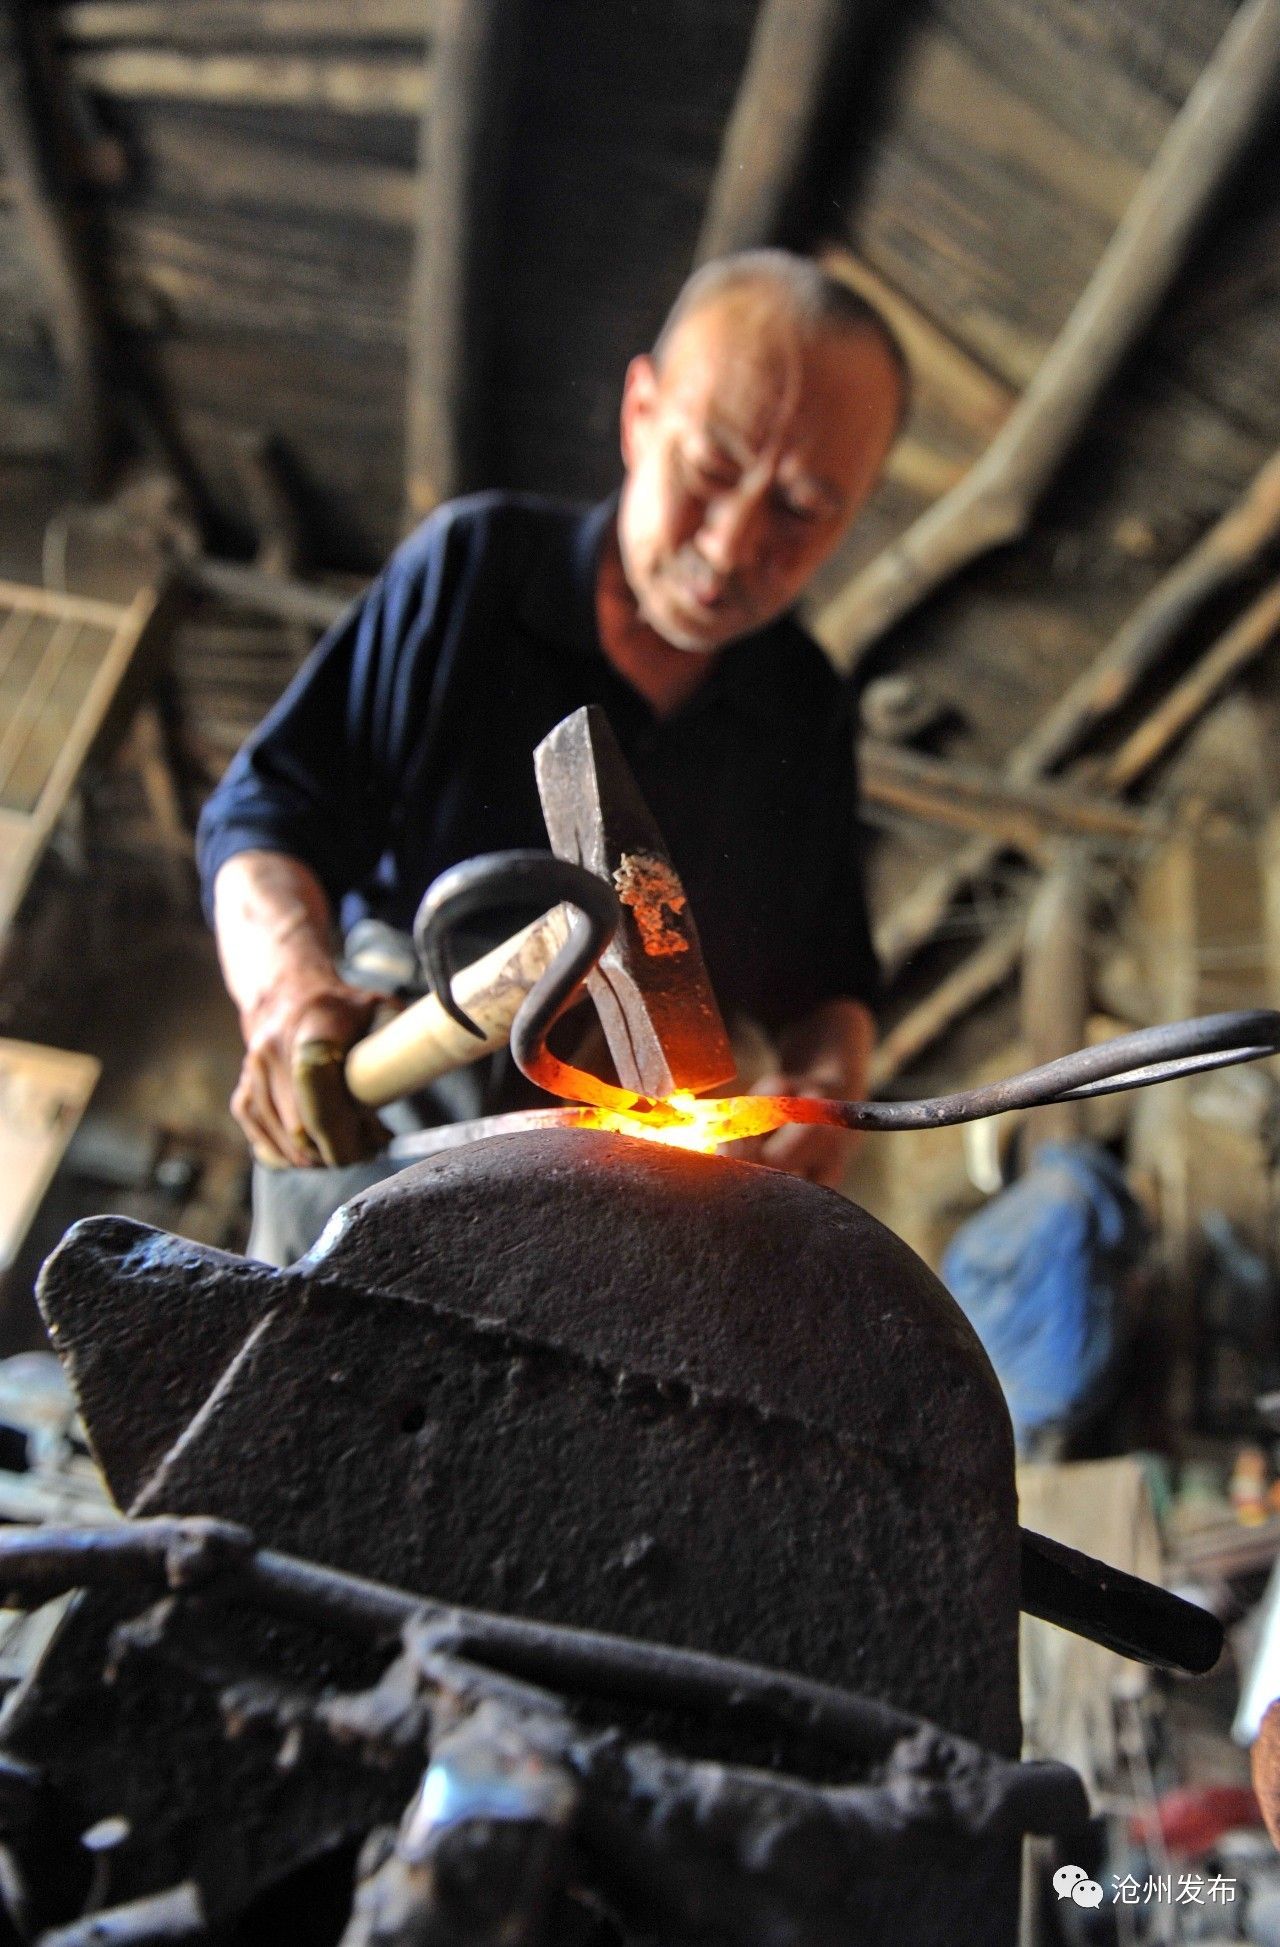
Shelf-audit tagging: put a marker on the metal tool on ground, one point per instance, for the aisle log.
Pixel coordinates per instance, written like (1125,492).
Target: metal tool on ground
(651,989)
(519,1798)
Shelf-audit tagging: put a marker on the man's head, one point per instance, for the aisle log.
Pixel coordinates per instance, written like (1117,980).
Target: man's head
(751,434)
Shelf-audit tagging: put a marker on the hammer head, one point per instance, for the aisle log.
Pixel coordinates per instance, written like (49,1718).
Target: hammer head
(651,988)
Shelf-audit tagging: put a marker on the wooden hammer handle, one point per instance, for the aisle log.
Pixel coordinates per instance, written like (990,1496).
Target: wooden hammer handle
(424,1042)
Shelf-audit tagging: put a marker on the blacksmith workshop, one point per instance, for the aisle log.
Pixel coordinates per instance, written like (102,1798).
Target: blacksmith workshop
(639,973)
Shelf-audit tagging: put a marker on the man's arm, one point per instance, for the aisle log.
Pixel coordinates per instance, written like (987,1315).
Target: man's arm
(274,927)
(827,1052)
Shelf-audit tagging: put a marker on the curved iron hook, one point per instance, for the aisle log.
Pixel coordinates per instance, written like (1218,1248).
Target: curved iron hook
(537,879)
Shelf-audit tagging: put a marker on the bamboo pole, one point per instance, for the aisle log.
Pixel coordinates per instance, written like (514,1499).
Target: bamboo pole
(1245,640)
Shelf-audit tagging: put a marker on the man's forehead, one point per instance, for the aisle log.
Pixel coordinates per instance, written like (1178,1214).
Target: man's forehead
(734,335)
(746,370)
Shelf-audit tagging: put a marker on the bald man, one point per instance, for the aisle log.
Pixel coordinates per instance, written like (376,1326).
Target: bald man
(751,435)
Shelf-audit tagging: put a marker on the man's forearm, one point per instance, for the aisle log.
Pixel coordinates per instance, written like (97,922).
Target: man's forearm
(274,929)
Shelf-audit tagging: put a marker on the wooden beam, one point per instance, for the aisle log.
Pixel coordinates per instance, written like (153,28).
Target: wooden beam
(995,501)
(456,283)
(1029,818)
(957,405)
(801,60)
(1222,556)
(1055,989)
(29,150)
(1220,559)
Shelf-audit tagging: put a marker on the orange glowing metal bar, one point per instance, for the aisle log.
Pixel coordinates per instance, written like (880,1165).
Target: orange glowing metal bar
(689,1122)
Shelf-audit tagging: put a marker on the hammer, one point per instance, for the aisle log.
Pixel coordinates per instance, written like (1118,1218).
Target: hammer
(651,989)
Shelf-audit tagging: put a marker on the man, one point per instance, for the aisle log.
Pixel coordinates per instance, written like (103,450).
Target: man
(751,436)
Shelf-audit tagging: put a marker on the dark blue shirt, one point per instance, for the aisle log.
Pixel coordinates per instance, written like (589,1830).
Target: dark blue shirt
(405,744)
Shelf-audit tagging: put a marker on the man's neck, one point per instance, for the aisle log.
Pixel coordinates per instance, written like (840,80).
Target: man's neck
(665,677)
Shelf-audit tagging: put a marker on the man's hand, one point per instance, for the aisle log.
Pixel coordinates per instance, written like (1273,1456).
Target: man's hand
(291,1099)
(827,1055)
(297,1015)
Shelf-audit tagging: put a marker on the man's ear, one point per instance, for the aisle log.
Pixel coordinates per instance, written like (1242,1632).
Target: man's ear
(639,397)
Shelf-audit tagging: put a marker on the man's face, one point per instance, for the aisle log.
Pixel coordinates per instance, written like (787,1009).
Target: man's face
(746,455)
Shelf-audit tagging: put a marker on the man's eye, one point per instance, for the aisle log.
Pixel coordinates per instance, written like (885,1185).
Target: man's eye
(707,474)
(795,510)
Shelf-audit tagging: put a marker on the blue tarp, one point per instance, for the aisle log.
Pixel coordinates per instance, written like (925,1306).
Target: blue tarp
(1039,1274)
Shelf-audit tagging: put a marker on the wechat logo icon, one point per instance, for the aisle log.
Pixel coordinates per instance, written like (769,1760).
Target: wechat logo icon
(1073,1883)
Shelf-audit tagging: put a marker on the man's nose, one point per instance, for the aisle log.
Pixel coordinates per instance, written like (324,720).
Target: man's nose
(732,528)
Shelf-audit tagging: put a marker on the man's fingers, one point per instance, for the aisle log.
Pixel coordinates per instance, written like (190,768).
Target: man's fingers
(341,1128)
(268,1114)
(265,1148)
(800,1149)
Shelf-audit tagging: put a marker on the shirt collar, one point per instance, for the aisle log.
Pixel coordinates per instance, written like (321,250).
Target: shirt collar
(751,675)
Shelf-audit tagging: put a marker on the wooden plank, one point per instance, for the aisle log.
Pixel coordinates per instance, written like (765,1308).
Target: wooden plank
(43,1094)
(1252,633)
(956,408)
(995,501)
(338,84)
(265,594)
(24,845)
(275,278)
(987,968)
(984,970)
(941,368)
(988,220)
(1093,72)
(31,711)
(46,601)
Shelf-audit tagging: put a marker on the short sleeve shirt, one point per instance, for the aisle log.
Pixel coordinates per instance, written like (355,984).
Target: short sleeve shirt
(405,744)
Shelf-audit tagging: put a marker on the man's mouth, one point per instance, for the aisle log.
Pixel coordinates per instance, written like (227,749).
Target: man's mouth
(702,593)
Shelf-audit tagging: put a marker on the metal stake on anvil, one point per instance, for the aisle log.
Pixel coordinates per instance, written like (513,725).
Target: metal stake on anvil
(651,988)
